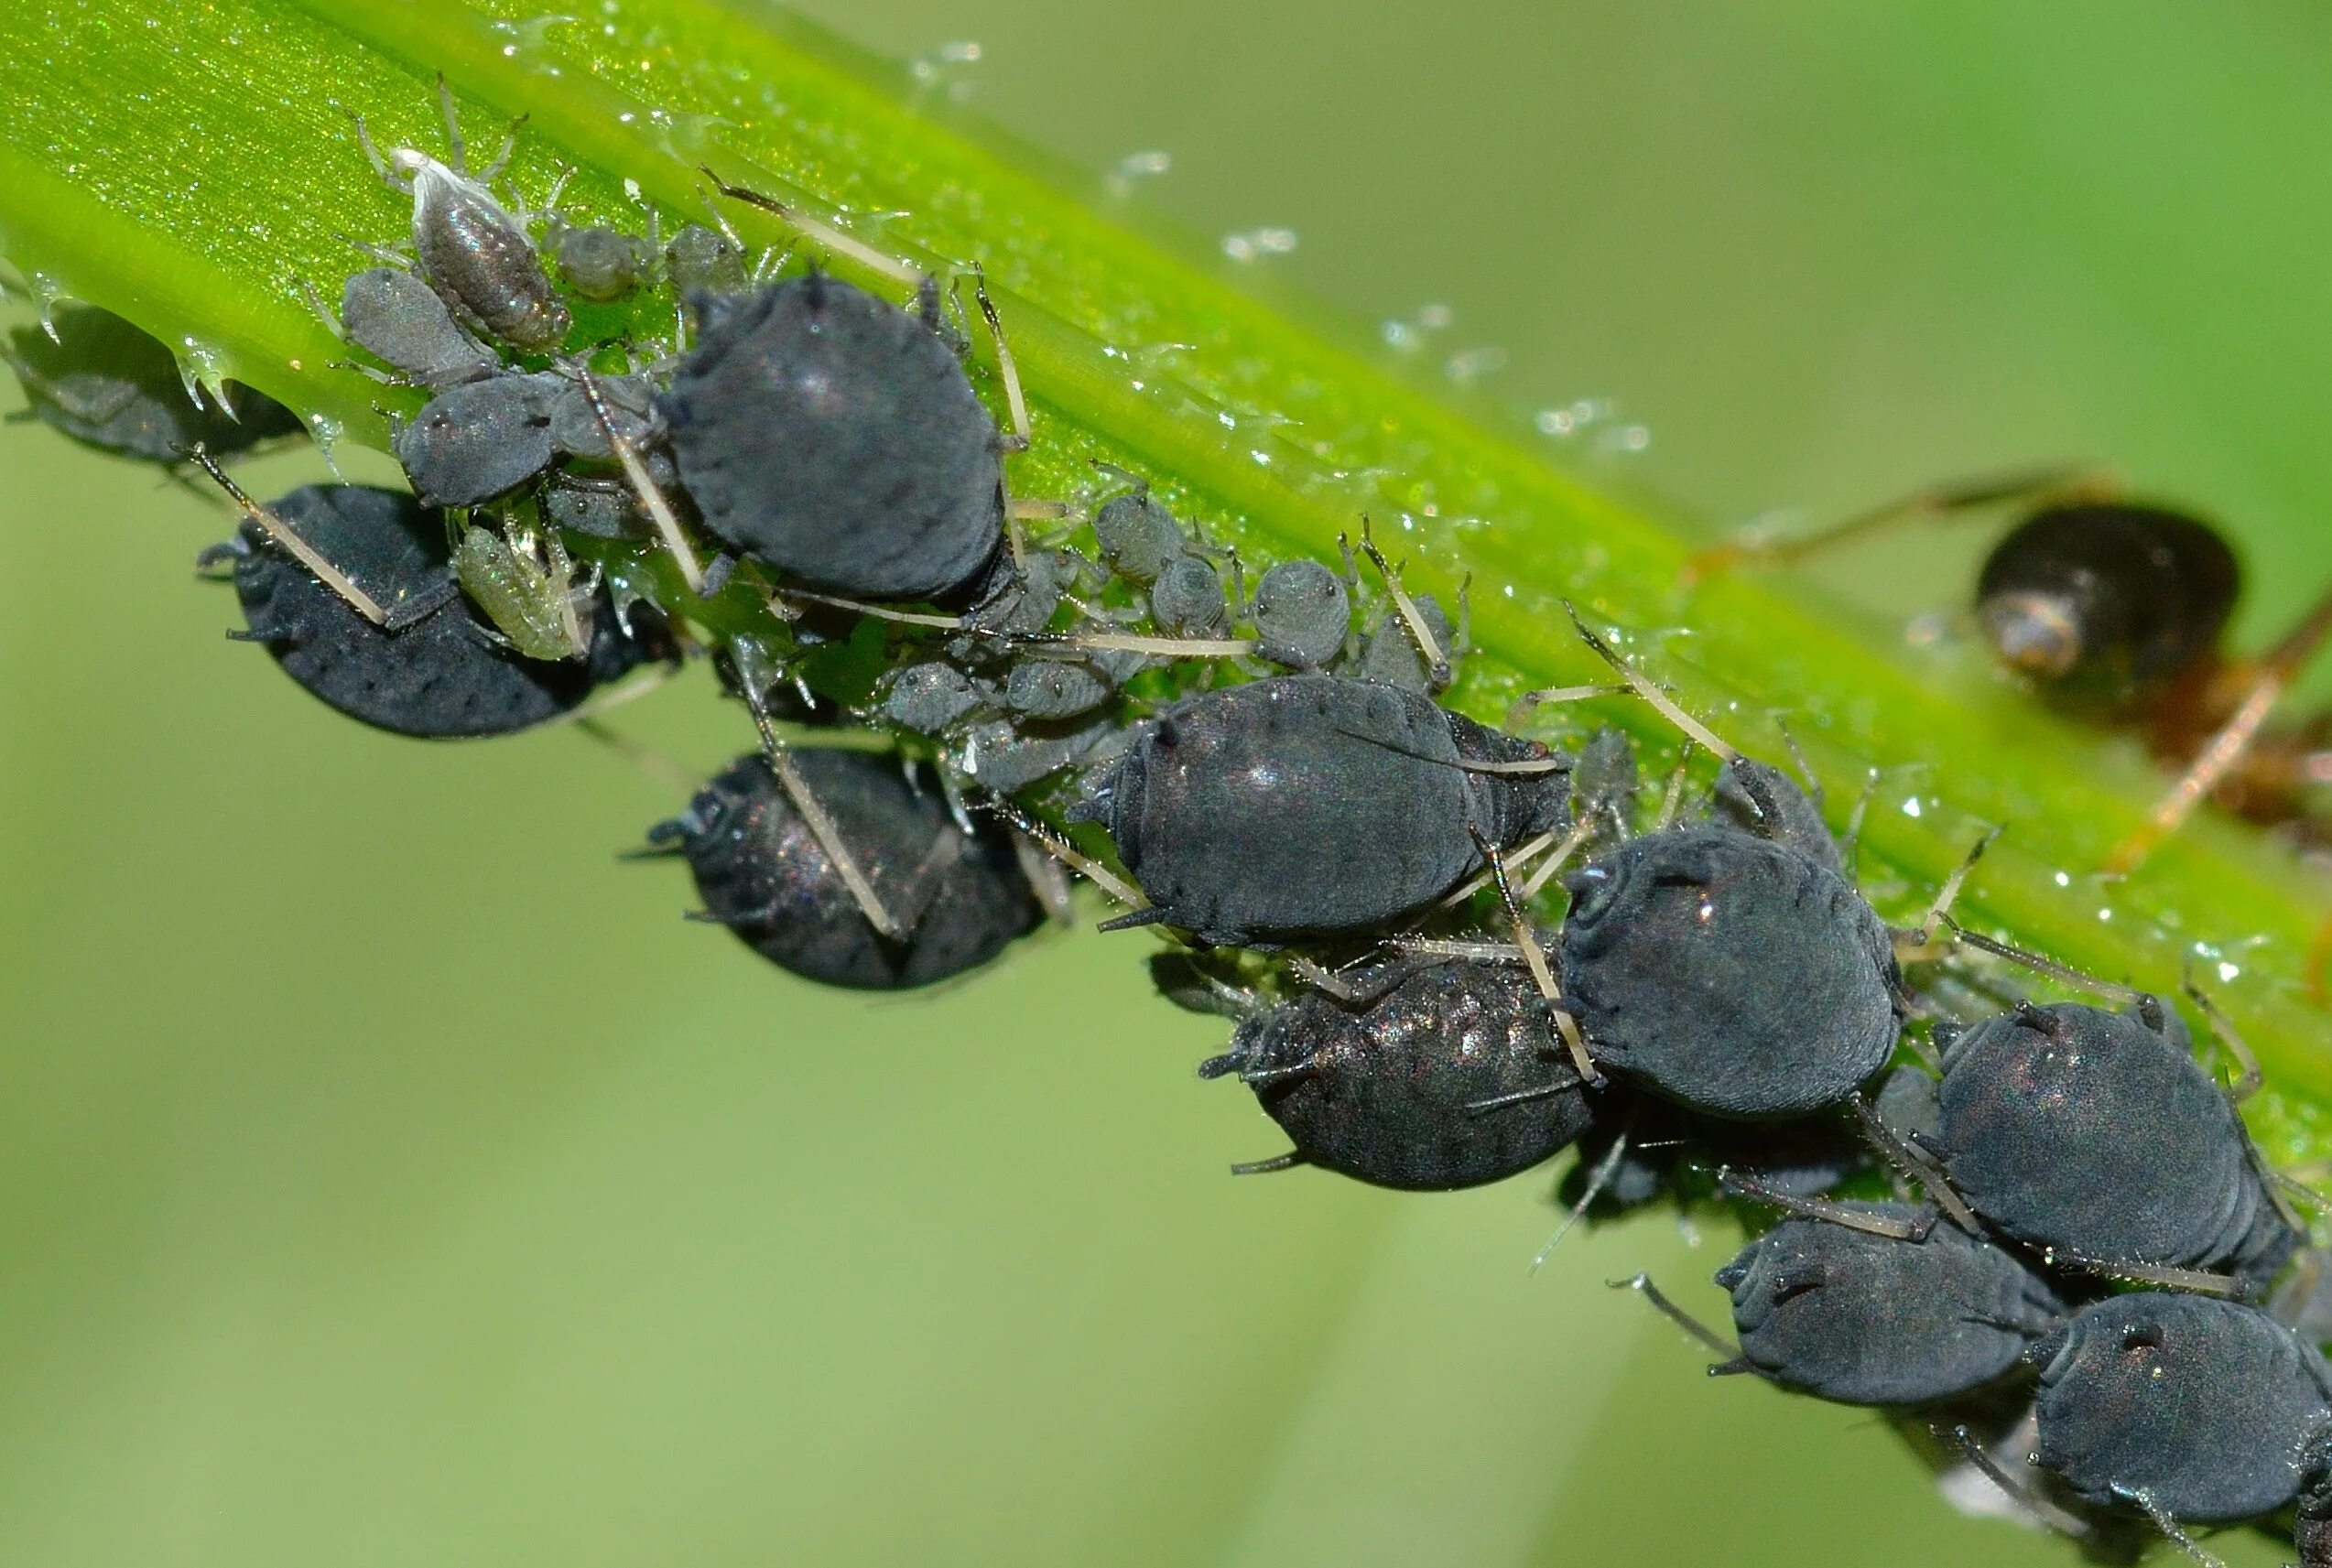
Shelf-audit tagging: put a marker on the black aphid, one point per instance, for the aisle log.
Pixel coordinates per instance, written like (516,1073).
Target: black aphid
(834,437)
(106,384)
(2199,1409)
(600,263)
(1137,536)
(1447,1076)
(479,440)
(1303,615)
(2096,1134)
(759,867)
(399,320)
(1314,803)
(2311,1521)
(471,248)
(1187,600)
(1866,1318)
(431,670)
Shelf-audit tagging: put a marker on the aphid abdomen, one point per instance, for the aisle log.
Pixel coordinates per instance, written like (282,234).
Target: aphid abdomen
(478,258)
(833,437)
(2206,1405)
(1873,1320)
(1293,806)
(2083,1130)
(1731,975)
(479,440)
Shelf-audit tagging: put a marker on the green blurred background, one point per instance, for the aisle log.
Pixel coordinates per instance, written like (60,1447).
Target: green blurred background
(388,1176)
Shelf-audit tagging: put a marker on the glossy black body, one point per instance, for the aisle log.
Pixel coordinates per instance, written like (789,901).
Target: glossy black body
(1305,804)
(834,437)
(1386,1091)
(1864,1319)
(762,873)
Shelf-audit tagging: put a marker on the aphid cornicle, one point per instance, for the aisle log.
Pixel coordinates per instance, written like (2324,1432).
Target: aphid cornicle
(2205,1407)
(835,438)
(433,675)
(761,872)
(110,386)
(2095,1133)
(1398,1090)
(1307,804)
(1867,1319)
(470,247)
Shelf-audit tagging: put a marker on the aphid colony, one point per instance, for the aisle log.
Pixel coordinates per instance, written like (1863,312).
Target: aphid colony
(1314,834)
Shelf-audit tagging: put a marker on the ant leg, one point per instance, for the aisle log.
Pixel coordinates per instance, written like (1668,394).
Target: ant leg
(2217,758)
(282,533)
(1642,1284)
(1933,504)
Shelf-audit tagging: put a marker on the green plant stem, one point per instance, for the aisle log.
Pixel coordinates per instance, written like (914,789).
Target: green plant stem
(182,167)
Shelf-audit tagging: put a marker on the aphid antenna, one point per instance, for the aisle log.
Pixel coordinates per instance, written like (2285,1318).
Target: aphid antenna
(2284,1181)
(1058,846)
(1429,647)
(1453,947)
(1534,957)
(1642,1284)
(1851,841)
(1597,1180)
(1733,1184)
(283,534)
(1798,760)
(879,611)
(1930,503)
(2211,765)
(819,231)
(1523,854)
(1672,799)
(643,486)
(1326,981)
(1914,1165)
(1128,643)
(2164,1274)
(2017,1492)
(1940,908)
(1520,1096)
(1031,511)
(2248,1075)
(1555,863)
(315,303)
(2065,973)
(2171,1530)
(1649,691)
(1108,470)
(819,821)
(648,760)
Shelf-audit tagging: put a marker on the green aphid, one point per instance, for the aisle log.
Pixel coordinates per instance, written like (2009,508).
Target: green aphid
(526,584)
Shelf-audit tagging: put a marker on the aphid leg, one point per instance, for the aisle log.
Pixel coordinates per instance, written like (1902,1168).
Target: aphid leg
(2040,966)
(315,303)
(1534,957)
(1736,1185)
(818,232)
(1447,947)
(819,822)
(1516,859)
(643,486)
(458,155)
(2022,1496)
(2163,1275)
(1044,874)
(1805,769)
(1851,841)
(652,762)
(1523,706)
(1597,1180)
(2211,765)
(389,177)
(1930,505)
(1672,799)
(1642,1284)
(2170,1528)
(1286,1161)
(1006,372)
(1429,648)
(1058,846)
(282,533)
(1555,863)
(1913,942)
(1651,693)
(1915,1164)
(2248,1076)
(1329,982)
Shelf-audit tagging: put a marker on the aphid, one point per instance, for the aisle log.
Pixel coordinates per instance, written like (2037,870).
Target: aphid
(106,384)
(1446,1076)
(1053,688)
(526,584)
(2116,610)
(835,438)
(703,260)
(399,320)
(1187,599)
(1303,614)
(2096,1136)
(1137,536)
(410,659)
(1305,804)
(1728,965)
(481,439)
(2186,1406)
(471,249)
(960,897)
(598,263)
(1869,1318)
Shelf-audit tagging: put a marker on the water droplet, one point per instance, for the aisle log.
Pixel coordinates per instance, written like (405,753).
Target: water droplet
(1254,244)
(1911,807)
